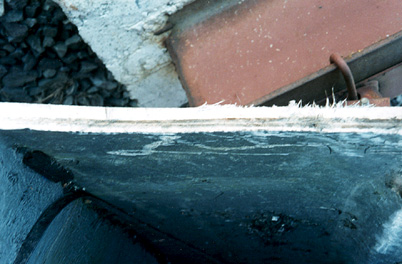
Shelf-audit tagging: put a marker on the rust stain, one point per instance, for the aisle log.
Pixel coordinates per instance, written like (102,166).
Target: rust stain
(73,7)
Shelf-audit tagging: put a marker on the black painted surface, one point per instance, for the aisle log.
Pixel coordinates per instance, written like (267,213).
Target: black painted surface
(80,235)
(244,197)
(24,195)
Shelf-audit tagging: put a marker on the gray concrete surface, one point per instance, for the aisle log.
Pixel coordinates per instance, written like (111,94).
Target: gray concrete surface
(121,33)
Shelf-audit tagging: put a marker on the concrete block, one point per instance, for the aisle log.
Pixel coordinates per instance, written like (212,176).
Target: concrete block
(121,33)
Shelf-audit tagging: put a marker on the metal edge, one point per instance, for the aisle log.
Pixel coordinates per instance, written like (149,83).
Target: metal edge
(319,85)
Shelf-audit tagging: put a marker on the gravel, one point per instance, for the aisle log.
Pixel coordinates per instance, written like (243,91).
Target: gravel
(43,59)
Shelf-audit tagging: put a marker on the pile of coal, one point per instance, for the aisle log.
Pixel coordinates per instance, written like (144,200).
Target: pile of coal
(43,59)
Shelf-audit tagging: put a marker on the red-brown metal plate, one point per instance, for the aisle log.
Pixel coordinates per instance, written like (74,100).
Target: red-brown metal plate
(257,47)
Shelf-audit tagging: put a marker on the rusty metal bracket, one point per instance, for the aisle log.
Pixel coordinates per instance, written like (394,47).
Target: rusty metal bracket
(347,74)
(367,94)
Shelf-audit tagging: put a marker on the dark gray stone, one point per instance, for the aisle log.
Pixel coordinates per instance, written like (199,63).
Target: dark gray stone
(96,100)
(17,4)
(17,77)
(49,5)
(87,66)
(61,49)
(8,47)
(32,91)
(13,16)
(35,43)
(73,40)
(69,58)
(15,95)
(92,90)
(82,100)
(17,54)
(29,61)
(47,63)
(7,60)
(116,102)
(85,84)
(82,54)
(30,22)
(49,73)
(48,42)
(16,32)
(48,31)
(33,9)
(58,16)
(61,81)
(69,100)
(3,71)
(109,85)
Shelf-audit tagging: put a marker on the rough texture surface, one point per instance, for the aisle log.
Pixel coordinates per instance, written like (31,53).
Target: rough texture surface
(307,194)
(24,195)
(121,33)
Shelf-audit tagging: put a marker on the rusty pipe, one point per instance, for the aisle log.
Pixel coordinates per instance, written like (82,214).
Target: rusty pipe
(347,75)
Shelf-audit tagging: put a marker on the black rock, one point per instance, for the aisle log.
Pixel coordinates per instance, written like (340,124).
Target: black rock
(35,44)
(17,78)
(17,54)
(42,20)
(15,95)
(61,81)
(3,71)
(30,22)
(49,31)
(61,49)
(48,42)
(92,90)
(16,32)
(29,61)
(9,48)
(70,58)
(49,73)
(3,54)
(73,40)
(133,103)
(82,54)
(87,66)
(33,91)
(17,4)
(116,102)
(58,16)
(13,16)
(96,100)
(109,85)
(47,63)
(49,5)
(85,84)
(72,89)
(33,9)
(7,60)
(82,100)
(69,100)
